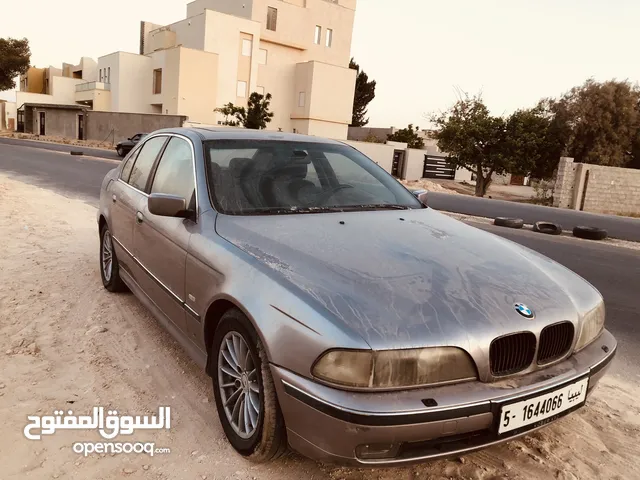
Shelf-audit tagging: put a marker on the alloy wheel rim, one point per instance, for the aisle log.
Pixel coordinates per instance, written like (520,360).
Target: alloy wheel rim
(107,256)
(238,384)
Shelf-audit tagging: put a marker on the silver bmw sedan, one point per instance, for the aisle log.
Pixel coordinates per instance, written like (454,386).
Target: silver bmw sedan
(335,312)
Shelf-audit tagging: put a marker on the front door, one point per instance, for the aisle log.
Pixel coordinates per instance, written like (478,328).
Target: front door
(161,243)
(396,166)
(80,127)
(126,194)
(42,123)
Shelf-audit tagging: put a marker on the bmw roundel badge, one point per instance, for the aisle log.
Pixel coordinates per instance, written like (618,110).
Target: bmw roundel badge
(523,310)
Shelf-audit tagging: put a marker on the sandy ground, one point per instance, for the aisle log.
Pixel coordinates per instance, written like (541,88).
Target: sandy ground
(64,140)
(67,343)
(427,185)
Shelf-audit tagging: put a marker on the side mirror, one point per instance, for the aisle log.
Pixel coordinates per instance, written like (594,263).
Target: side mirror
(421,195)
(167,205)
(128,138)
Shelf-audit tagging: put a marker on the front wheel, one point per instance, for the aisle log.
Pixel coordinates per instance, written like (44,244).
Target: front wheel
(244,391)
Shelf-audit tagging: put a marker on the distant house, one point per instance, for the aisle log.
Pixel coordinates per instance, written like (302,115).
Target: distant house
(223,51)
(364,134)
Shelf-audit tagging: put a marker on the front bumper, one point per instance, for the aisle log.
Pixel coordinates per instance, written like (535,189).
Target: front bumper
(337,426)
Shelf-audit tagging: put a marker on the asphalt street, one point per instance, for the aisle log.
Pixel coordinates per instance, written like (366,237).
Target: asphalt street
(613,270)
(625,228)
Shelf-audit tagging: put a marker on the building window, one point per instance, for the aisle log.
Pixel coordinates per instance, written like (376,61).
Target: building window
(272,18)
(246,47)
(262,56)
(100,74)
(241,89)
(329,39)
(318,35)
(157,81)
(301,99)
(108,74)
(260,90)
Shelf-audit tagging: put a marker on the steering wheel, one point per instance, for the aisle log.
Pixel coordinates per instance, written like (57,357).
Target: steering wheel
(322,199)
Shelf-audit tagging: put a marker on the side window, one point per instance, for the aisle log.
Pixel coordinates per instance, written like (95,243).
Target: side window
(128,165)
(144,163)
(174,175)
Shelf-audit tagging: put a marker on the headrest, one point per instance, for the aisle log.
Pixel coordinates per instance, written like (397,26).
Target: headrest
(237,165)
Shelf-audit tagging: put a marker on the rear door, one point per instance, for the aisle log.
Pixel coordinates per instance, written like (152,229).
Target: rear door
(160,243)
(126,195)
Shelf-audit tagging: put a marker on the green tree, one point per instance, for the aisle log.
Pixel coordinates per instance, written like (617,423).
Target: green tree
(531,145)
(15,56)
(600,121)
(409,136)
(371,138)
(258,114)
(365,92)
(230,111)
(473,139)
(255,116)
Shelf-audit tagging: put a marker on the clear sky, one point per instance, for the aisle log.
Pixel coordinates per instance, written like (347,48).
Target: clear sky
(419,51)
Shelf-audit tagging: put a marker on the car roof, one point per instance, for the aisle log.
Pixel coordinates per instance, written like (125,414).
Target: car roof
(212,133)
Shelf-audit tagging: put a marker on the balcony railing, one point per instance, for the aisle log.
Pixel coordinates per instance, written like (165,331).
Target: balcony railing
(85,87)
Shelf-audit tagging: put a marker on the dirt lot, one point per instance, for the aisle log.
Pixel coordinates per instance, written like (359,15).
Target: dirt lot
(63,140)
(66,343)
(428,185)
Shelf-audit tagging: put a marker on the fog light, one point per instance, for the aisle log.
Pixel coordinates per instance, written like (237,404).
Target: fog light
(376,451)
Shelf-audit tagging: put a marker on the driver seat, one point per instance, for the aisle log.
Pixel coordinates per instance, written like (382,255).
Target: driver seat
(286,186)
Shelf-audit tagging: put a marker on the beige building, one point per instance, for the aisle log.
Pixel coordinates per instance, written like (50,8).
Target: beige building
(53,85)
(296,50)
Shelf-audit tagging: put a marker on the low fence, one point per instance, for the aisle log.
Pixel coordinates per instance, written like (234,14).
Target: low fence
(596,188)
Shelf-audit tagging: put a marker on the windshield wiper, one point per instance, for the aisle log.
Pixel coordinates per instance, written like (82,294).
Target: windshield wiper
(342,208)
(376,206)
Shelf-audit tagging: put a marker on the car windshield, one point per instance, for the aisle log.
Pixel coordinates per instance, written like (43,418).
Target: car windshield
(263,177)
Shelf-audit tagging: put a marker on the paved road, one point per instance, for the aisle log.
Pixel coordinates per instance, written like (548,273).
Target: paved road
(59,147)
(625,228)
(614,271)
(74,176)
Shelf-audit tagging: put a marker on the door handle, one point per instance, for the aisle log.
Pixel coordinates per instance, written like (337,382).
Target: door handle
(139,217)
(114,198)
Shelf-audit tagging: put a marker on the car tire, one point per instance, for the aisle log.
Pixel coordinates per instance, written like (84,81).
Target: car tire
(110,275)
(120,151)
(508,222)
(266,440)
(547,227)
(590,233)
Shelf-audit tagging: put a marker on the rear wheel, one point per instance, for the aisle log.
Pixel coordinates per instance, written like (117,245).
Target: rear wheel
(244,391)
(120,151)
(109,268)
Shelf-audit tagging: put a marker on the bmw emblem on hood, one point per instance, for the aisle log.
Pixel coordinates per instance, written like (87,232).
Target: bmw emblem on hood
(523,310)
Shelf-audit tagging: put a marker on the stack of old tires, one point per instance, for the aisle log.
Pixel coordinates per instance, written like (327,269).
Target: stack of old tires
(550,228)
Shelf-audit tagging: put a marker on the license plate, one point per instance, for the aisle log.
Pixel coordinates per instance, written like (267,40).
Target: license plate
(536,409)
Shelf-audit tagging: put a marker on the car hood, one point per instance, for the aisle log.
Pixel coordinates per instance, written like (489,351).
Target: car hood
(406,279)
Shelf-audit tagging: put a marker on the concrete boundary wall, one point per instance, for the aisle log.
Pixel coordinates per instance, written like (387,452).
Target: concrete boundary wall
(117,126)
(596,188)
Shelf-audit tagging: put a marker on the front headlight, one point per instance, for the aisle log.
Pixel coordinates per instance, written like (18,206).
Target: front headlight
(592,325)
(389,369)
